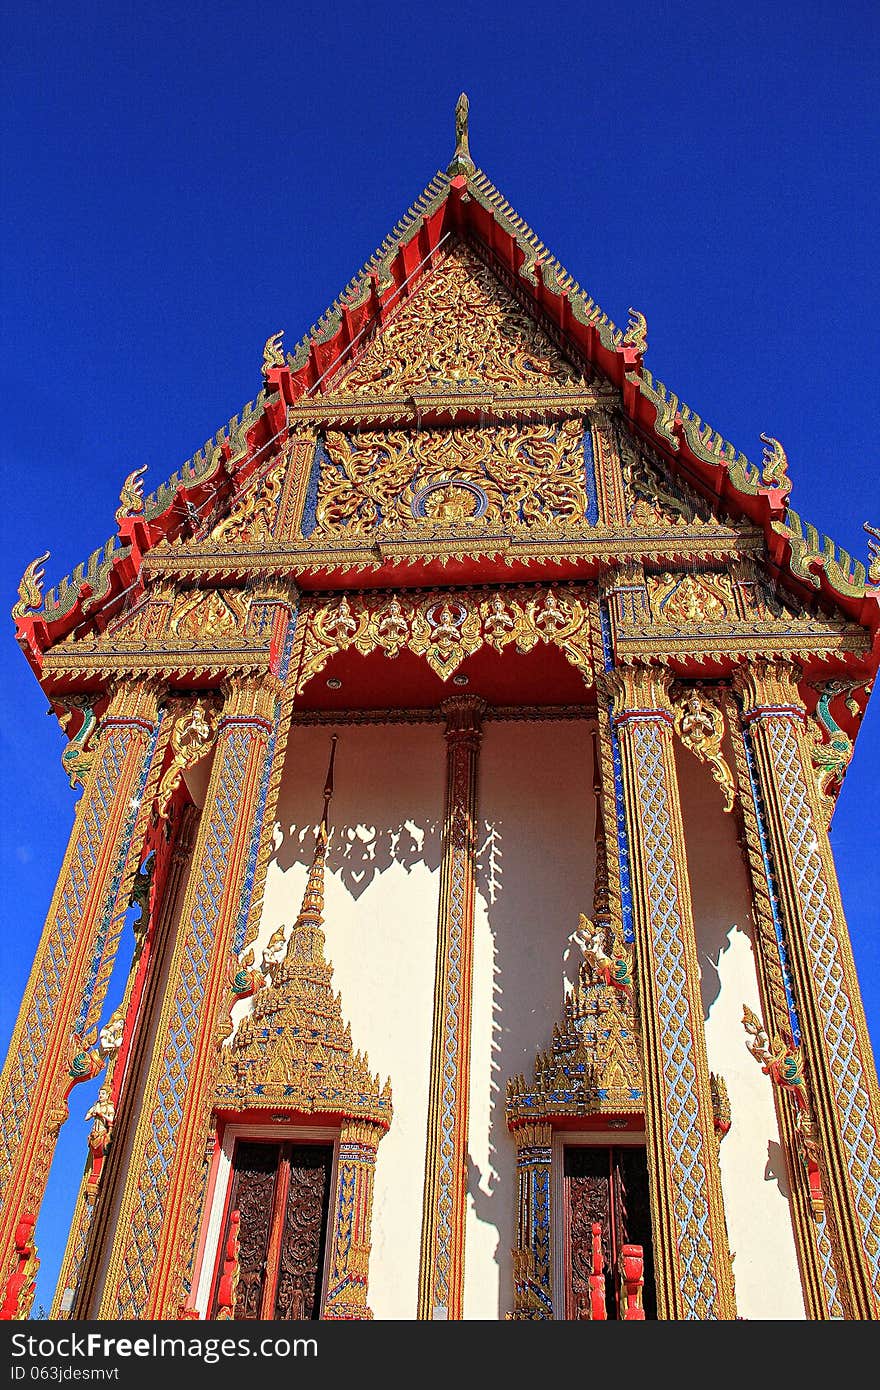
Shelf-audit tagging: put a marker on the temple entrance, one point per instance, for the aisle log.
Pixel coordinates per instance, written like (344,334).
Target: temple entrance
(282,1192)
(608,1186)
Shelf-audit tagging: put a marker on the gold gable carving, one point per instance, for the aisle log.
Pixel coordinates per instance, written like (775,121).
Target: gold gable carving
(208,614)
(511,478)
(654,502)
(251,520)
(461,329)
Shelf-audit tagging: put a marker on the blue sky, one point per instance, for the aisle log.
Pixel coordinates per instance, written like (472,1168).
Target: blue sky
(180,182)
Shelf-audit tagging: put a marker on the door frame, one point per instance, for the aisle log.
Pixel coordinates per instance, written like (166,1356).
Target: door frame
(581,1139)
(222,1187)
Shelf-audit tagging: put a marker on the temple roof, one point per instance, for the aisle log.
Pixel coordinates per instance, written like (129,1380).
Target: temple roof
(460,203)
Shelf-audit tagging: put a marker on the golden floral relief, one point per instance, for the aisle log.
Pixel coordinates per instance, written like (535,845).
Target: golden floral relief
(252,519)
(461,329)
(208,613)
(691,598)
(653,501)
(505,478)
(446,627)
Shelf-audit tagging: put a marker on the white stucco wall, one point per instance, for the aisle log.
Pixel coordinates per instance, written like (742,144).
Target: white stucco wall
(381,929)
(535,875)
(753,1172)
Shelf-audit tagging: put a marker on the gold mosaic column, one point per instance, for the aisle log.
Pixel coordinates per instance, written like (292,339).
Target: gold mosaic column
(840,1075)
(441,1270)
(350,1238)
(89,1226)
(693,1268)
(818,1275)
(69,976)
(533,1256)
(154,1229)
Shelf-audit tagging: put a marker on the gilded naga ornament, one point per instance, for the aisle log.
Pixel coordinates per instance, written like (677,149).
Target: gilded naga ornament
(700,726)
(781,1061)
(832,748)
(272,354)
(191,738)
(774,467)
(636,335)
(873,553)
(721,1114)
(78,756)
(131,498)
(30,588)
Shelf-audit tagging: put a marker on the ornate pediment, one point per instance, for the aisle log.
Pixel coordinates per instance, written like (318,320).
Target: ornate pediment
(294,1052)
(654,500)
(499,479)
(462,329)
(592,1066)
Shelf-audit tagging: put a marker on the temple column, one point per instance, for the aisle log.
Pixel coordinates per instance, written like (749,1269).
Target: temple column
(350,1237)
(532,1259)
(155,1226)
(815,1260)
(441,1268)
(828,1013)
(66,988)
(693,1267)
(89,1227)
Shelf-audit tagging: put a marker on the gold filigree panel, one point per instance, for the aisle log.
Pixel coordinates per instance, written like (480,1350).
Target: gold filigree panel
(654,502)
(461,328)
(500,477)
(691,598)
(444,628)
(208,614)
(252,519)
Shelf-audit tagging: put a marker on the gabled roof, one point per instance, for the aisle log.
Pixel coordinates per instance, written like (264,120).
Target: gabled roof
(460,202)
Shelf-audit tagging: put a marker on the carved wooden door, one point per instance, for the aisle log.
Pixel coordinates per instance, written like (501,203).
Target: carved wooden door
(282,1192)
(608,1186)
(302,1232)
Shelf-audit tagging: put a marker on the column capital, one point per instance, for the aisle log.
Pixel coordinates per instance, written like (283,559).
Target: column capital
(624,575)
(278,588)
(364,1133)
(251,699)
(769,687)
(537,1136)
(464,716)
(637,692)
(135,700)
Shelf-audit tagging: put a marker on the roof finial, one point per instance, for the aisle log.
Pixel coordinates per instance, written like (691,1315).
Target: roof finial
(461,160)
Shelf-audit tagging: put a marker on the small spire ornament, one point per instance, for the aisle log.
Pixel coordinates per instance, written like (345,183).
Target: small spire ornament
(461,160)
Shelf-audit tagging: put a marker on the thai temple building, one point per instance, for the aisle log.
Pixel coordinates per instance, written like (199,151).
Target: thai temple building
(456,737)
